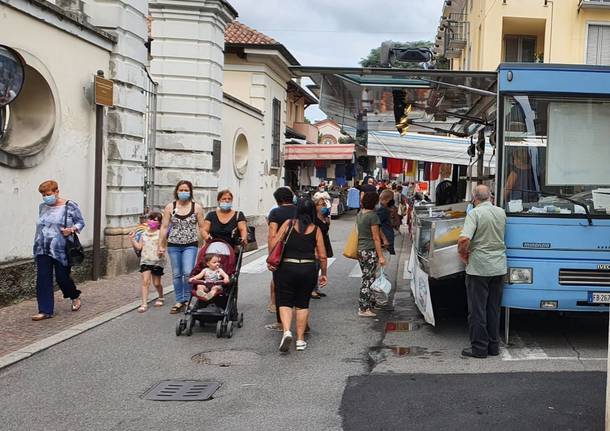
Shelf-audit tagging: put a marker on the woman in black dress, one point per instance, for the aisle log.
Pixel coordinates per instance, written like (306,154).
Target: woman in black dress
(322,220)
(298,273)
(225,221)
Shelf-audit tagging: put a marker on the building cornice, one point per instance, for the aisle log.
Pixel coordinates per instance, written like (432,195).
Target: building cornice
(61,19)
(220,8)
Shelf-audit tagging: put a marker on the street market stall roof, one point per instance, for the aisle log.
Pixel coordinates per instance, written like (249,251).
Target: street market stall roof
(319,151)
(426,148)
(376,99)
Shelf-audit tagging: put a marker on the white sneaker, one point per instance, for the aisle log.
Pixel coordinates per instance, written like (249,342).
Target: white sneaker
(301,345)
(286,341)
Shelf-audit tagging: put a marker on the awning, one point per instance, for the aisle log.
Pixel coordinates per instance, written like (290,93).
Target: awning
(376,99)
(319,152)
(427,148)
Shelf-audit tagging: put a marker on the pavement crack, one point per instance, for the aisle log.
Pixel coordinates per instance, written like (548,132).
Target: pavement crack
(573,347)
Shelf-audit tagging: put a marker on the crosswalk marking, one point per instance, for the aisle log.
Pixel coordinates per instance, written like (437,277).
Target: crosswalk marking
(356,271)
(258,266)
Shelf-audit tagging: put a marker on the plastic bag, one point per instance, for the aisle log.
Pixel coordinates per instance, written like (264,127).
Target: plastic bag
(351,245)
(382,284)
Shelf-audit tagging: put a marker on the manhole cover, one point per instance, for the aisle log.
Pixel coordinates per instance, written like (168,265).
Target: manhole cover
(182,390)
(227,358)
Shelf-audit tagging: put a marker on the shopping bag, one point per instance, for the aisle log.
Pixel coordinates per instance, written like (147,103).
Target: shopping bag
(382,284)
(351,246)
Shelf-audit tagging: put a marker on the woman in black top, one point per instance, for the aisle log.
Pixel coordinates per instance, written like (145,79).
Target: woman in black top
(296,277)
(224,221)
(322,220)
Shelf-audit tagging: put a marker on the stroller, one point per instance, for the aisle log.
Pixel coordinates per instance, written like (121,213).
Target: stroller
(222,309)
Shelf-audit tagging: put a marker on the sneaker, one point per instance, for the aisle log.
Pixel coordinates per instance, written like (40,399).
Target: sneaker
(301,345)
(286,341)
(366,313)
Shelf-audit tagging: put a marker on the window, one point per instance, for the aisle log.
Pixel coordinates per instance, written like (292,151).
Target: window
(520,49)
(275,133)
(598,45)
(555,156)
(240,159)
(216,155)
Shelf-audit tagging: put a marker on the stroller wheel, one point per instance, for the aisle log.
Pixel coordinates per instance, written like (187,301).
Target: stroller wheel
(229,329)
(219,329)
(179,327)
(190,323)
(240,322)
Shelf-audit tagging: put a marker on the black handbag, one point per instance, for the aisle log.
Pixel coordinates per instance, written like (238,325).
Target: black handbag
(74,250)
(252,244)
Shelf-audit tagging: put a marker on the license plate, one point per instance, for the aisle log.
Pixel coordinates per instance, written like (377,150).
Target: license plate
(599,297)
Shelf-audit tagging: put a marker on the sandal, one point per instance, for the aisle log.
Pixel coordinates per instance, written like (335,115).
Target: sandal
(41,316)
(160,302)
(76,303)
(316,295)
(275,327)
(176,309)
(142,308)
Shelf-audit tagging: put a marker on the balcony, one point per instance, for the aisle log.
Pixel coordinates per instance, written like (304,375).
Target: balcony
(593,4)
(456,31)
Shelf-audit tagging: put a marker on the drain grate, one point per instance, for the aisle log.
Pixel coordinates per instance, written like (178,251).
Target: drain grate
(182,390)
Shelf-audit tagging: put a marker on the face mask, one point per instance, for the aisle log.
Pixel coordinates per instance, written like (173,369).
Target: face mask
(153,224)
(184,196)
(325,211)
(295,200)
(469,208)
(225,206)
(322,189)
(50,200)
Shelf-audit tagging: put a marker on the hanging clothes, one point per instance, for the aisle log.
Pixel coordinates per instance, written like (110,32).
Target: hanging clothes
(349,171)
(321,173)
(353,198)
(320,164)
(330,171)
(411,168)
(340,181)
(384,162)
(435,171)
(427,169)
(446,170)
(340,169)
(395,166)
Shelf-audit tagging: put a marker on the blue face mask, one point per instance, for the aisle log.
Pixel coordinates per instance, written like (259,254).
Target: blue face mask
(225,206)
(184,196)
(469,208)
(295,200)
(50,200)
(325,211)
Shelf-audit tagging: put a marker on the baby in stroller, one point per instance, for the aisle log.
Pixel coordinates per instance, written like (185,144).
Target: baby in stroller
(213,276)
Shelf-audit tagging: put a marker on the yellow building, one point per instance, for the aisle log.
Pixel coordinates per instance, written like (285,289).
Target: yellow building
(480,34)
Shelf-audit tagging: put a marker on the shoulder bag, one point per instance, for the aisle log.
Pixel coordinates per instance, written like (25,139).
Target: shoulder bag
(351,246)
(276,254)
(74,250)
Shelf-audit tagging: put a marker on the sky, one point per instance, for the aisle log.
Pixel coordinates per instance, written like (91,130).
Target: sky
(339,32)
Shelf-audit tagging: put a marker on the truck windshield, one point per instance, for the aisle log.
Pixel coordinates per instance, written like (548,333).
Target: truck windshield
(553,149)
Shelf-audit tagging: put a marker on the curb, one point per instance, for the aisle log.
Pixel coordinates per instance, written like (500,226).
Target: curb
(38,346)
(66,334)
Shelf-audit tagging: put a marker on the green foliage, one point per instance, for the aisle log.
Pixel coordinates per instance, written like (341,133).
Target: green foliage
(372,60)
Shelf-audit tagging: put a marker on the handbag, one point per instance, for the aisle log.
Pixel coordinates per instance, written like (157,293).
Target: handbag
(252,244)
(74,250)
(276,255)
(351,246)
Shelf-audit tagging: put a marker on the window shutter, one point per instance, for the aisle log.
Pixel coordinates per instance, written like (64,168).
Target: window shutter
(592,44)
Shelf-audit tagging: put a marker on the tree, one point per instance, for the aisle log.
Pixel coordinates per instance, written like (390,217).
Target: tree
(372,60)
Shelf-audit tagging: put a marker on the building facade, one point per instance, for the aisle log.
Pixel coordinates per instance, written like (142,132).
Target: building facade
(481,34)
(165,58)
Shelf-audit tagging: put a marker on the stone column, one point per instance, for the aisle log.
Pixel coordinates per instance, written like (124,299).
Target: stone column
(187,61)
(125,122)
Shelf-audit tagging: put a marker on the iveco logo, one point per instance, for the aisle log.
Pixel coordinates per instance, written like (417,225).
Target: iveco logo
(536,245)
(604,266)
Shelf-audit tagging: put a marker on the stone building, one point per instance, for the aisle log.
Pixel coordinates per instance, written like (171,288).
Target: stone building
(165,124)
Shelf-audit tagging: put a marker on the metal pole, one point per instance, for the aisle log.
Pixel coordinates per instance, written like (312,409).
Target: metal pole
(97,193)
(480,156)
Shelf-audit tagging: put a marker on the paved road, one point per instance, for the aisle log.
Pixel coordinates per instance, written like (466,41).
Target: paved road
(354,375)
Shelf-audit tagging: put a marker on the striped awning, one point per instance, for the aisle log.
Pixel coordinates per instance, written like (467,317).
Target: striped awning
(318,151)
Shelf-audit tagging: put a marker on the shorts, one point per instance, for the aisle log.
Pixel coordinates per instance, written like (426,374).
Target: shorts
(154,269)
(294,283)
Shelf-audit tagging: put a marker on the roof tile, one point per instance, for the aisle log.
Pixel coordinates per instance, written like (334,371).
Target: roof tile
(240,33)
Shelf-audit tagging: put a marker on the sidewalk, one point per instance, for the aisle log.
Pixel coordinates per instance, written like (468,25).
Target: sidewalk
(99,298)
